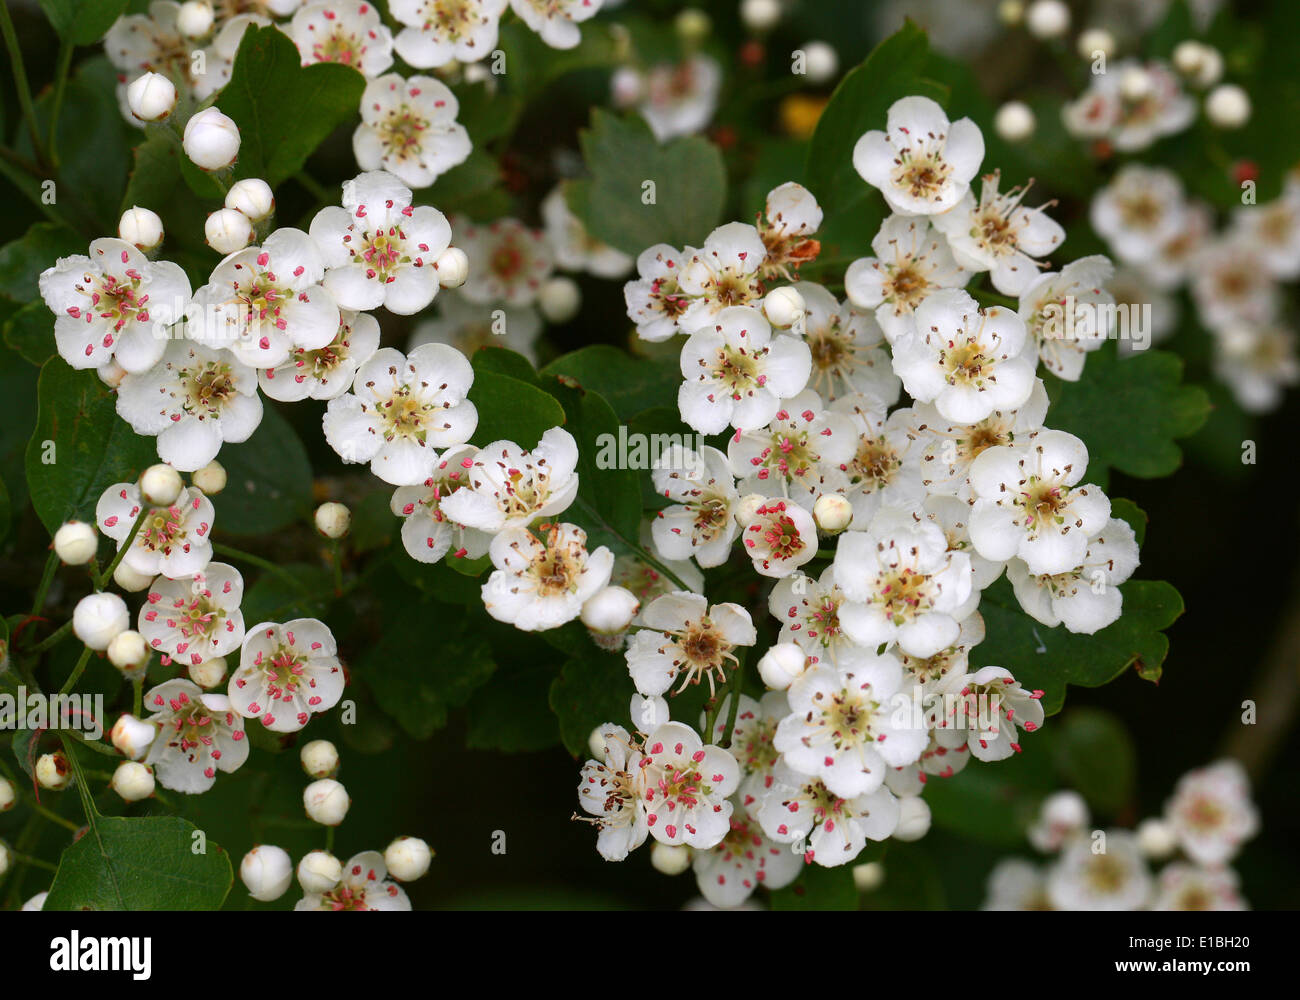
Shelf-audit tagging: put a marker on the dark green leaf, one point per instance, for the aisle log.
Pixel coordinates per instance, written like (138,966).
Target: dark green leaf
(30,332)
(512,410)
(821,888)
(23,260)
(1095,754)
(82,21)
(268,479)
(591,690)
(630,385)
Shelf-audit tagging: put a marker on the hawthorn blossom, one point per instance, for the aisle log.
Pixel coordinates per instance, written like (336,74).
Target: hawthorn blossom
(1128,123)
(944,672)
(685,787)
(846,347)
(576,249)
(952,516)
(349,32)
(885,467)
(400,409)
(1139,211)
(193,619)
(1175,259)
(556,21)
(199,734)
(967,361)
(997,234)
(1028,503)
(1181,886)
(1257,363)
(609,789)
(737,373)
(751,740)
(172,541)
(832,831)
(428,533)
(921,163)
(1069,314)
(1231,285)
(686,639)
(746,858)
(468,326)
(148,43)
(379,249)
(790,216)
(1211,812)
(540,585)
(702,522)
(679,98)
(721,275)
(1086,598)
(365,886)
(1016,884)
(507,486)
(114,305)
(287,672)
(1274,227)
(1116,878)
(508,262)
(809,613)
(326,372)
(435,33)
(912,260)
(990,711)
(780,538)
(409,128)
(655,300)
(803,444)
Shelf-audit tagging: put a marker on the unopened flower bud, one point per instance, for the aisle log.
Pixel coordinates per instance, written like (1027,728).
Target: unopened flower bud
(760,15)
(76,543)
(228,231)
(128,652)
(211,140)
(209,673)
(194,18)
(452,267)
(1094,41)
(407,858)
(1228,106)
(913,818)
(610,611)
(160,485)
(7,795)
(140,227)
(333,520)
(1015,121)
(1201,64)
(821,62)
(320,759)
(1047,19)
(251,197)
(670,859)
(131,580)
(151,97)
(781,665)
(267,871)
(326,802)
(4,857)
(53,771)
(1135,83)
(98,618)
(211,479)
(784,306)
(693,25)
(319,871)
(832,512)
(868,877)
(1156,839)
(747,509)
(132,736)
(559,299)
(36,903)
(132,781)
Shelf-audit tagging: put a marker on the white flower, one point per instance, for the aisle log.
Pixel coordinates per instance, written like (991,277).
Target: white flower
(541,585)
(680,97)
(428,533)
(437,33)
(173,541)
(737,373)
(945,671)
(1061,817)
(1115,879)
(846,347)
(1028,503)
(324,372)
(556,21)
(467,326)
(378,249)
(780,538)
(1130,121)
(685,787)
(409,128)
(286,673)
(1016,884)
(100,618)
(790,216)
(1231,284)
(1175,259)
(365,886)
(886,467)
(507,262)
(952,515)
(1139,210)
(921,163)
(1086,598)
(1274,227)
(991,710)
(400,409)
(263,302)
(195,618)
(198,735)
(912,260)
(832,831)
(1257,363)
(509,487)
(999,235)
(608,790)
(343,31)
(685,638)
(655,300)
(1069,314)
(966,361)
(1211,813)
(114,305)
(796,452)
(746,858)
(194,399)
(751,740)
(724,273)
(902,584)
(575,249)
(702,522)
(809,613)
(1190,887)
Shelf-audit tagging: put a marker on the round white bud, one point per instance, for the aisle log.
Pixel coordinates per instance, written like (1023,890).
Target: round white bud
(596,743)
(1047,18)
(211,479)
(1201,64)
(1135,83)
(670,859)
(747,509)
(111,373)
(453,267)
(1011,12)
(128,651)
(820,62)
(76,543)
(1065,810)
(319,871)
(1096,40)
(228,231)
(36,903)
(209,673)
(559,299)
(132,736)
(760,15)
(53,771)
(99,618)
(160,485)
(251,197)
(407,858)
(869,877)
(781,665)
(320,759)
(151,97)
(832,513)
(610,611)
(913,818)
(1228,106)
(8,796)
(267,870)
(784,306)
(693,25)
(333,520)
(1015,121)
(131,580)
(211,140)
(132,781)
(1156,839)
(626,87)
(326,802)
(140,227)
(194,19)
(4,857)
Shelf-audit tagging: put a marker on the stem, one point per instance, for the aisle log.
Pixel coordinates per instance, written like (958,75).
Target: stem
(329,839)
(257,561)
(137,696)
(336,557)
(76,671)
(54,638)
(56,109)
(315,188)
(20,82)
(87,803)
(111,568)
(733,691)
(27,859)
(47,577)
(54,817)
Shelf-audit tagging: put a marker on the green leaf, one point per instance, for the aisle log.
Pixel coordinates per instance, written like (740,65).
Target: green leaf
(1050,658)
(821,888)
(268,479)
(503,361)
(1129,411)
(590,691)
(531,64)
(140,864)
(30,332)
(630,385)
(511,409)
(994,802)
(23,260)
(301,590)
(511,713)
(1095,754)
(80,446)
(622,155)
(82,21)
